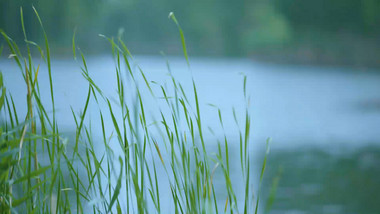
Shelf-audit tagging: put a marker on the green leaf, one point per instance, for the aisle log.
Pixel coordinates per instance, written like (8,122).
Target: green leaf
(118,186)
(2,98)
(1,49)
(171,16)
(8,153)
(118,208)
(32,174)
(1,80)
(73,41)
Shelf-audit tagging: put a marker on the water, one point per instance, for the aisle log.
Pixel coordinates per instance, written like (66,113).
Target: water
(295,105)
(302,108)
(315,181)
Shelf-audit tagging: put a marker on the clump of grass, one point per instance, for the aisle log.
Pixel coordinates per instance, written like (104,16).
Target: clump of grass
(113,182)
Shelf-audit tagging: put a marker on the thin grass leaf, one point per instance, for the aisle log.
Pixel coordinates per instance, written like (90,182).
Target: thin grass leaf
(2,97)
(1,49)
(73,44)
(159,153)
(273,191)
(171,16)
(48,61)
(32,174)
(118,186)
(262,173)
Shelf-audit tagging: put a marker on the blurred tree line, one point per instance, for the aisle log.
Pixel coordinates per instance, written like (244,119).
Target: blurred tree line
(328,31)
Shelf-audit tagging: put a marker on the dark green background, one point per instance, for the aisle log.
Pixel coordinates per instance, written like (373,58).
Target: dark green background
(345,32)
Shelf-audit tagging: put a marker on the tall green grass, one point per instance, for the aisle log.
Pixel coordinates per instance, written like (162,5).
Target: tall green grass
(76,177)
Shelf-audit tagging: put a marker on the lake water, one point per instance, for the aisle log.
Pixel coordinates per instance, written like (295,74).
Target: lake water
(302,108)
(295,105)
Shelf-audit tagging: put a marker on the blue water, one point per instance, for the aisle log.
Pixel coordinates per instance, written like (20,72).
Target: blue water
(297,106)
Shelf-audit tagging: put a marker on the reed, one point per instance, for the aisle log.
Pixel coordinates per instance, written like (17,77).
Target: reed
(76,178)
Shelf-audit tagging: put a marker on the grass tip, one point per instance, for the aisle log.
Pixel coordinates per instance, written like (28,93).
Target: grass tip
(11,56)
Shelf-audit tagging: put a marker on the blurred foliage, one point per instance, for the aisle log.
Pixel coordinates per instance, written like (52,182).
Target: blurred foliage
(330,31)
(355,16)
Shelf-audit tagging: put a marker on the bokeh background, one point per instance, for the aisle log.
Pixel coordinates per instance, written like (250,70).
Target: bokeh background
(343,32)
(312,67)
